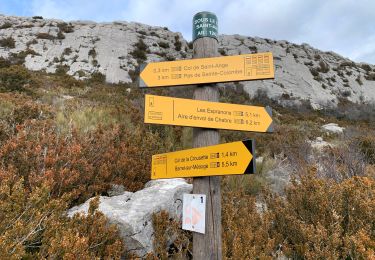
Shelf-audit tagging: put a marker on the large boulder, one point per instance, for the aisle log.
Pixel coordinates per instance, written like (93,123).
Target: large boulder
(132,212)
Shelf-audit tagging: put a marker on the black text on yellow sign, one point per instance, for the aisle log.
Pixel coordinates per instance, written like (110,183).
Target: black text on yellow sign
(208,70)
(196,113)
(223,159)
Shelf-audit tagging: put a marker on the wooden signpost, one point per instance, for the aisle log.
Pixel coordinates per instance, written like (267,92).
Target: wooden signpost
(208,70)
(196,113)
(222,159)
(208,160)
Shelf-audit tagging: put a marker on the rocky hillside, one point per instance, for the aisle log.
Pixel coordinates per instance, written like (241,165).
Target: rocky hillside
(82,48)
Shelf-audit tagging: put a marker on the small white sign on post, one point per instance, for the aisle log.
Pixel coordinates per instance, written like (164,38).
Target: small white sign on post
(194,212)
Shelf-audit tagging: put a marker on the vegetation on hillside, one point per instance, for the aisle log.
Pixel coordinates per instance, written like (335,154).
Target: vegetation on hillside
(63,141)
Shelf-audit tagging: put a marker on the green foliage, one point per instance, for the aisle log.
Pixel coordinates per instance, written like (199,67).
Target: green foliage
(4,63)
(97,78)
(314,72)
(19,58)
(62,69)
(14,78)
(323,67)
(45,36)
(8,42)
(177,43)
(60,36)
(67,51)
(370,76)
(92,53)
(6,25)
(366,67)
(253,49)
(358,79)
(65,27)
(140,50)
(164,45)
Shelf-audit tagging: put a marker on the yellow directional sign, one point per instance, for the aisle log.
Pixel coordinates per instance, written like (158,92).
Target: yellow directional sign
(223,159)
(208,70)
(197,113)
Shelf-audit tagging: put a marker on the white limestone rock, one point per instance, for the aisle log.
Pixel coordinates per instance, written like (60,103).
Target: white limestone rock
(333,128)
(294,83)
(319,144)
(132,212)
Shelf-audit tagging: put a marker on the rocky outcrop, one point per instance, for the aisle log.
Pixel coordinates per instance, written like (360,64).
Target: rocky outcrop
(132,212)
(302,73)
(333,128)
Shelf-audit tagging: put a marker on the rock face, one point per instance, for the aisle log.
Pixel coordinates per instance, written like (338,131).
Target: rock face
(116,49)
(132,212)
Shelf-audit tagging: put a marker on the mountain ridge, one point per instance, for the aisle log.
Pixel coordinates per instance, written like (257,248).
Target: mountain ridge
(116,49)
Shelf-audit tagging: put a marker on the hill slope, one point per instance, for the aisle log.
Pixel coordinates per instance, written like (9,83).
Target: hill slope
(116,49)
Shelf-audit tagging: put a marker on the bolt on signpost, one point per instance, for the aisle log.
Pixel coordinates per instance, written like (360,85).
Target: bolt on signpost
(205,45)
(208,160)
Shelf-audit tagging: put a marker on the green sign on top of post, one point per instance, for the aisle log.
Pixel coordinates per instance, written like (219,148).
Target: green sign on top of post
(205,25)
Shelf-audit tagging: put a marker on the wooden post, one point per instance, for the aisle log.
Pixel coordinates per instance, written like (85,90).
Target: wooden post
(207,246)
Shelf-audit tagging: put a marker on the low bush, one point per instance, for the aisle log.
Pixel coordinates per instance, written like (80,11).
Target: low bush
(19,58)
(45,36)
(177,43)
(97,78)
(35,226)
(139,53)
(8,42)
(370,76)
(65,27)
(323,67)
(81,165)
(318,219)
(6,25)
(253,49)
(14,78)
(164,45)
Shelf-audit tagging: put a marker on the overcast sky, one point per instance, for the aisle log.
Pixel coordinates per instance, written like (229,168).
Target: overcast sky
(344,26)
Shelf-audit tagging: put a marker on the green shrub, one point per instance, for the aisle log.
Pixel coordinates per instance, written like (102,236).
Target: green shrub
(97,77)
(164,45)
(314,72)
(253,49)
(62,69)
(370,76)
(4,63)
(19,58)
(139,53)
(358,79)
(65,27)
(92,53)
(67,51)
(6,25)
(60,35)
(177,43)
(8,42)
(14,78)
(323,67)
(154,34)
(45,36)
(366,67)
(222,52)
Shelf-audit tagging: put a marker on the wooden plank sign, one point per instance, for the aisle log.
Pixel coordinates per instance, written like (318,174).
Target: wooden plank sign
(196,113)
(208,70)
(223,159)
